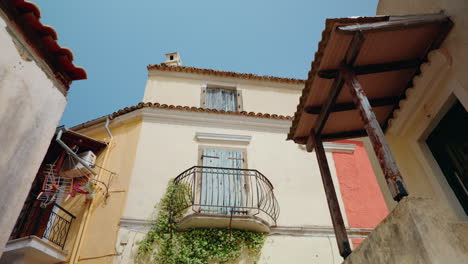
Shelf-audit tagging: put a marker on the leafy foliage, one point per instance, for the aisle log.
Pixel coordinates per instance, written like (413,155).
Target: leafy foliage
(164,245)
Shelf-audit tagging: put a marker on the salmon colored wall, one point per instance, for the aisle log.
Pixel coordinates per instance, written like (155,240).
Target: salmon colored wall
(363,201)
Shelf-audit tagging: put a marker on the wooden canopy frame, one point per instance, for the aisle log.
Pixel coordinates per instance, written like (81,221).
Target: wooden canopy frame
(347,75)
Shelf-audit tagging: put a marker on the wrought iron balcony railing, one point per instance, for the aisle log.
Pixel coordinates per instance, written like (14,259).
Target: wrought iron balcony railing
(52,223)
(229,192)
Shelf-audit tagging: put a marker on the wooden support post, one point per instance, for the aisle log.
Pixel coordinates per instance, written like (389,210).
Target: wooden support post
(332,200)
(374,131)
(314,141)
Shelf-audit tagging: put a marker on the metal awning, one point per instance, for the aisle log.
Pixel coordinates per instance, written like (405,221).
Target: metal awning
(385,53)
(360,73)
(84,142)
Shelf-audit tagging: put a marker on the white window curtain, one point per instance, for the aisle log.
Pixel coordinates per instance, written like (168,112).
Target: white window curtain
(220,99)
(222,190)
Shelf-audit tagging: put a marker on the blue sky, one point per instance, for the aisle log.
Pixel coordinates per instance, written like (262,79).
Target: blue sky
(115,41)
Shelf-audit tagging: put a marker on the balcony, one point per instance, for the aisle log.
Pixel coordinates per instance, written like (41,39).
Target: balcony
(39,235)
(227,198)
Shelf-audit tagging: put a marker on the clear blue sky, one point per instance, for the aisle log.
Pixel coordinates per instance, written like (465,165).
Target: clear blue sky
(115,41)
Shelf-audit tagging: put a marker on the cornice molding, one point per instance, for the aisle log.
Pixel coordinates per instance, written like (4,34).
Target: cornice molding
(204,119)
(300,231)
(213,119)
(335,147)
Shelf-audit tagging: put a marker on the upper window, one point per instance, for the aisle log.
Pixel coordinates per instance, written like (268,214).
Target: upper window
(221,99)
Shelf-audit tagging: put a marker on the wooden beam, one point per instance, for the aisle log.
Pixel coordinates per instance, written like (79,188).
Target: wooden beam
(350,57)
(373,68)
(336,136)
(327,107)
(332,200)
(344,135)
(314,141)
(395,24)
(376,135)
(386,101)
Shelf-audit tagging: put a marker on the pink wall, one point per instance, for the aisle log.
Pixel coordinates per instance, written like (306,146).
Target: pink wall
(363,201)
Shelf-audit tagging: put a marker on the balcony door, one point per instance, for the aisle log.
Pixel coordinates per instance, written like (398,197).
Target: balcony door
(223,188)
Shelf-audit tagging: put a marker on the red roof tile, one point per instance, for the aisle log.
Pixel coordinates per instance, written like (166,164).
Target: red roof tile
(141,105)
(196,109)
(43,39)
(249,76)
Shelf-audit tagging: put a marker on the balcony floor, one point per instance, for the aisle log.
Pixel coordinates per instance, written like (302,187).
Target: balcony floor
(244,222)
(31,250)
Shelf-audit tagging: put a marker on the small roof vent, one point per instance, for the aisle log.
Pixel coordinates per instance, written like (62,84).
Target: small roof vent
(173,59)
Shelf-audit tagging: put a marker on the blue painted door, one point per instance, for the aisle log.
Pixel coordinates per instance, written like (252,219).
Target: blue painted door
(223,190)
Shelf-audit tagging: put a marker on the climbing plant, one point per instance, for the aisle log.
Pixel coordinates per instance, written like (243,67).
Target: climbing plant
(163,244)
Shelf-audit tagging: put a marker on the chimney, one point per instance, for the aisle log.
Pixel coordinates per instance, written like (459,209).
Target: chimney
(173,59)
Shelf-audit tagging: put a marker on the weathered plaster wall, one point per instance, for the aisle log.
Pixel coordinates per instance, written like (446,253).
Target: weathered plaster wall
(30,108)
(257,96)
(442,80)
(363,201)
(277,249)
(417,231)
(103,224)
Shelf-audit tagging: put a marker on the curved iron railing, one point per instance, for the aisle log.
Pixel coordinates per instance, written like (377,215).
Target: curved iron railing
(228,191)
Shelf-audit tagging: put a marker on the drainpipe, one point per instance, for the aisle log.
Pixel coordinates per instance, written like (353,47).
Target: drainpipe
(70,151)
(106,126)
(75,252)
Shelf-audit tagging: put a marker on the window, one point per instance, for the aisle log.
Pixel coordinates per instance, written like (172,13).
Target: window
(227,99)
(448,143)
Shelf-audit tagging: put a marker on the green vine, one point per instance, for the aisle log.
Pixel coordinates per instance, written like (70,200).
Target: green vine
(163,244)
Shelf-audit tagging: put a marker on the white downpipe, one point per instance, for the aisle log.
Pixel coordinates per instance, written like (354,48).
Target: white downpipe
(106,126)
(70,151)
(75,252)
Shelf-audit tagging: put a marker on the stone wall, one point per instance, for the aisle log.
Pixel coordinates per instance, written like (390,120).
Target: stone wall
(417,231)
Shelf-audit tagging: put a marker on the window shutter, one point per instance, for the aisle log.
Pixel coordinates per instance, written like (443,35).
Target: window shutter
(240,106)
(203,97)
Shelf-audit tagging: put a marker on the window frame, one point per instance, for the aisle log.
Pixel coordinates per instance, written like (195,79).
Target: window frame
(225,86)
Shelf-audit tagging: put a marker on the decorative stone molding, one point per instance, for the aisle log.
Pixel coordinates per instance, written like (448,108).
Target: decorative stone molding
(317,231)
(225,138)
(335,147)
(299,231)
(210,119)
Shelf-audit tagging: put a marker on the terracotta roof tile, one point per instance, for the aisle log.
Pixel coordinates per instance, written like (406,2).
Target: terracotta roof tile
(249,76)
(141,105)
(26,17)
(196,109)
